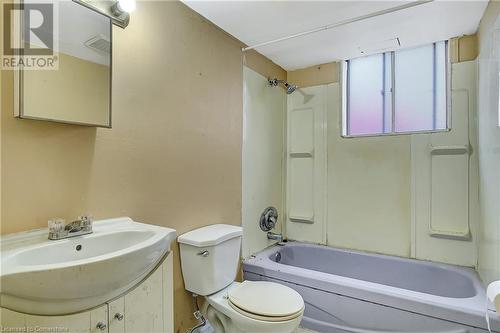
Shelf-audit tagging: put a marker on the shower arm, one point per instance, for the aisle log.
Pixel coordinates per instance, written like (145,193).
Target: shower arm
(290,88)
(276,82)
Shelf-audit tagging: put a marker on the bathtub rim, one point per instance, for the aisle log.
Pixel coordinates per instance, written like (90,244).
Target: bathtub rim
(466,311)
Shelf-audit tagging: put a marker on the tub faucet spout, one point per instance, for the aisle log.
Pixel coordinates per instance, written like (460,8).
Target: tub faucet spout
(275,236)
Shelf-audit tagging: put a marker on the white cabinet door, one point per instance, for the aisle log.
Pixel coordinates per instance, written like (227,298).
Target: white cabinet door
(144,306)
(149,307)
(94,321)
(99,320)
(117,315)
(12,321)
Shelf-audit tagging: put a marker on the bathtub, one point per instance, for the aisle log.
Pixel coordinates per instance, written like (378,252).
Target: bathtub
(355,292)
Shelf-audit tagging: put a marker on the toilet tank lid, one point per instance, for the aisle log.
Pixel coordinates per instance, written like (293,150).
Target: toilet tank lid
(210,235)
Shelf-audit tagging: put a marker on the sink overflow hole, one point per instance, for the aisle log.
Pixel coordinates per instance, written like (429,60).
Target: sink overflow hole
(78,247)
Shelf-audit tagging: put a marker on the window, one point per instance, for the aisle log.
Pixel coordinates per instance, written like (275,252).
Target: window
(396,92)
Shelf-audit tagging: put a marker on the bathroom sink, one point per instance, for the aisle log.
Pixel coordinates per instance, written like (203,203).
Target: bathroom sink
(47,277)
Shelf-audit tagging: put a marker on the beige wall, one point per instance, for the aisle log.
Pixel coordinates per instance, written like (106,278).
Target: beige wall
(263,65)
(173,157)
(315,75)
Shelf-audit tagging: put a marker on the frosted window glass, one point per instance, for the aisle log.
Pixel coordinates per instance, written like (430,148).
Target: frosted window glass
(418,101)
(365,95)
(420,92)
(414,85)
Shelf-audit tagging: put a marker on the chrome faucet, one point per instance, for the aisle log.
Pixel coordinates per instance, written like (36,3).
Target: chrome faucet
(268,220)
(275,236)
(81,226)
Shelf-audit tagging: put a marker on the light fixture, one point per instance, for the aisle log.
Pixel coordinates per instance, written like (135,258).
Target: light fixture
(124,6)
(121,10)
(117,10)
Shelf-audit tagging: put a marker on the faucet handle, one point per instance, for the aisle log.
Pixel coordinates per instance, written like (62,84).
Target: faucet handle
(56,224)
(86,220)
(268,219)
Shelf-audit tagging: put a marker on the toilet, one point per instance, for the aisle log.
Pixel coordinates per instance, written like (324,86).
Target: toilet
(210,259)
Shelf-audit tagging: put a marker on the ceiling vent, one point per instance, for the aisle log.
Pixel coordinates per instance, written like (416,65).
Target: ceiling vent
(99,43)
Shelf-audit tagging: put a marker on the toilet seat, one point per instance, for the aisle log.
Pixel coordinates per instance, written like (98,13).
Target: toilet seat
(266,301)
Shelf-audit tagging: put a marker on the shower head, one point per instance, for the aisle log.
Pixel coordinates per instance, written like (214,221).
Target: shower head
(290,88)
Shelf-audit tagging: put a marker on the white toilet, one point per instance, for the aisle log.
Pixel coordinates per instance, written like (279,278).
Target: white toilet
(209,259)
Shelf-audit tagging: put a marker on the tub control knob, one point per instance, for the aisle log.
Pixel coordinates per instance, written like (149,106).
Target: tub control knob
(101,326)
(268,219)
(119,316)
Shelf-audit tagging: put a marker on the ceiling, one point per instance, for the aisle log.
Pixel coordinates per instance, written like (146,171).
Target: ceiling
(78,24)
(75,24)
(255,22)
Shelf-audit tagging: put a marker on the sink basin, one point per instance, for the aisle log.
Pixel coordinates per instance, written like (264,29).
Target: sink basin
(55,277)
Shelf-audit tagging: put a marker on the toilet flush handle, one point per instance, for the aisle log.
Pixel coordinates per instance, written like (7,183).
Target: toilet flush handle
(204,253)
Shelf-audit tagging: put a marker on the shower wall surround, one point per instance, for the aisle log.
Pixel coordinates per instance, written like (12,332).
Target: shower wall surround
(262,165)
(489,143)
(366,193)
(359,193)
(361,187)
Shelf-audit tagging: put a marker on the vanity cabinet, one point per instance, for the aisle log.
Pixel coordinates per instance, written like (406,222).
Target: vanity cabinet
(147,308)
(77,323)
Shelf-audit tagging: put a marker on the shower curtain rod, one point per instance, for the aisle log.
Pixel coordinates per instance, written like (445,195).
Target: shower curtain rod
(341,23)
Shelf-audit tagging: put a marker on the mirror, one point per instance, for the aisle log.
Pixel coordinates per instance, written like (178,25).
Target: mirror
(78,89)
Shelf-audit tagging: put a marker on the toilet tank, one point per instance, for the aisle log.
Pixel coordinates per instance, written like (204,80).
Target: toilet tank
(210,257)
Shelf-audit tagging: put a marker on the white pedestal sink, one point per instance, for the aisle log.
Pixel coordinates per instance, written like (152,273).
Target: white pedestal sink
(49,277)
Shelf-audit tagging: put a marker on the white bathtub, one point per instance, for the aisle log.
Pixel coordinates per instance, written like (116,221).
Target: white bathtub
(355,292)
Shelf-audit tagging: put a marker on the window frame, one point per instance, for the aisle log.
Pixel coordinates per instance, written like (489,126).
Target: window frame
(344,86)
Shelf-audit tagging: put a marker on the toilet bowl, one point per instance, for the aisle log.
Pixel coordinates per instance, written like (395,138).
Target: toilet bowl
(255,311)
(209,261)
